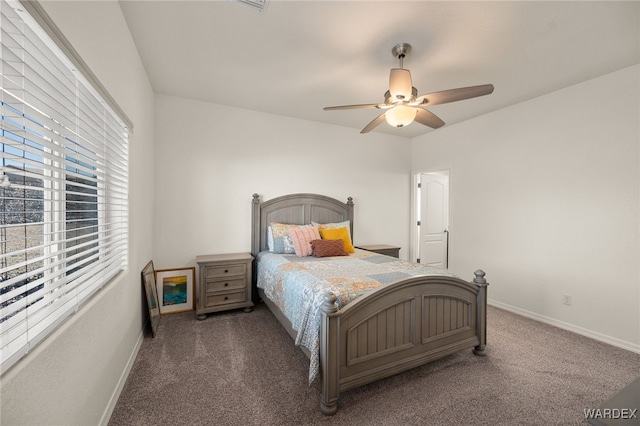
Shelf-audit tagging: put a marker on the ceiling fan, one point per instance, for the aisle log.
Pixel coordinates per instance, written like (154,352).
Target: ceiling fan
(402,105)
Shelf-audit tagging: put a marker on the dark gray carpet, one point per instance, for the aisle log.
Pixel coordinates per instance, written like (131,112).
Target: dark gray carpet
(237,368)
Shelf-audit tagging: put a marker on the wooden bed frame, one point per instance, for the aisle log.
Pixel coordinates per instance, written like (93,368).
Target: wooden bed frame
(392,329)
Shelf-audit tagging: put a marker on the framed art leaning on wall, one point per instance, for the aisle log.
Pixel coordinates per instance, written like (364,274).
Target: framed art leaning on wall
(149,284)
(176,289)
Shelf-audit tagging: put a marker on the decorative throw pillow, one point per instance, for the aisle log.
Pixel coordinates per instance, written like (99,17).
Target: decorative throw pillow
(279,240)
(338,234)
(326,248)
(302,237)
(345,224)
(269,238)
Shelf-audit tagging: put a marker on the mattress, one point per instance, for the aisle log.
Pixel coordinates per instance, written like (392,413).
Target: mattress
(297,285)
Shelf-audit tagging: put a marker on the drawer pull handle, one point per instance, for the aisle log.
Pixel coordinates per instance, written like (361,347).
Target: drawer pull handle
(226,298)
(226,284)
(226,270)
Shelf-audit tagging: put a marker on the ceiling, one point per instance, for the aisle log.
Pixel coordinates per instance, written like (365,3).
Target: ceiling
(297,57)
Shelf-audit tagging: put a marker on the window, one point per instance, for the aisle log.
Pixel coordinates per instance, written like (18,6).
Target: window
(64,217)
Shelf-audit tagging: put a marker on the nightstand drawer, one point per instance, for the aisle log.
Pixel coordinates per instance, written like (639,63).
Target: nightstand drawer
(222,299)
(229,284)
(387,250)
(225,270)
(394,252)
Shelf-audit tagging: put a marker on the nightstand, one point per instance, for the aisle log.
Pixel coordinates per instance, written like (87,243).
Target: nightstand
(382,249)
(224,282)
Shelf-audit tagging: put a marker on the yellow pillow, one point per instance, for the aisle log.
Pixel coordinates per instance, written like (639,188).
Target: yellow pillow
(338,234)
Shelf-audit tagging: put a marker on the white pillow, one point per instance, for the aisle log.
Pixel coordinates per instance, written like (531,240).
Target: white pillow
(345,224)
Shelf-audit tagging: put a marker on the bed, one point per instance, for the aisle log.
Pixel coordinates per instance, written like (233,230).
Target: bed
(404,321)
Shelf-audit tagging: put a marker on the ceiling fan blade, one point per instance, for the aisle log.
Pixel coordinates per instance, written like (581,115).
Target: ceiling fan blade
(360,106)
(428,118)
(454,95)
(379,119)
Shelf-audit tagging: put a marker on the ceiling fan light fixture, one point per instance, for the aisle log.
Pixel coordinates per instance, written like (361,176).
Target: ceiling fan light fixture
(400,115)
(400,85)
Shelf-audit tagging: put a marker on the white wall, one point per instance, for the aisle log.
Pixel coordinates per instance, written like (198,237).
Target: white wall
(73,377)
(210,159)
(545,198)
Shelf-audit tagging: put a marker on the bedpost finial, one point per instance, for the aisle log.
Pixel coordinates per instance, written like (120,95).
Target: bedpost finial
(256,198)
(329,305)
(350,201)
(479,279)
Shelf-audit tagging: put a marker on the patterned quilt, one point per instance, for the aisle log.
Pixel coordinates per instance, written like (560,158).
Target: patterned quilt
(297,286)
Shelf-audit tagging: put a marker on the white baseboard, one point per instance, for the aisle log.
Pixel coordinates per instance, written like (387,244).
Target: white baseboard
(566,326)
(106,416)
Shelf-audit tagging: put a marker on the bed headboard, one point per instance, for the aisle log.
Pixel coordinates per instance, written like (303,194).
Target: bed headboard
(298,209)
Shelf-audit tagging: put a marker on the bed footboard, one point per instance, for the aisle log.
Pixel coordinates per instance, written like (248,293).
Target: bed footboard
(399,327)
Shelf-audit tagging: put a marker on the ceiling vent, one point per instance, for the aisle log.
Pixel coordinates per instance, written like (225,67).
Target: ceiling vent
(259,5)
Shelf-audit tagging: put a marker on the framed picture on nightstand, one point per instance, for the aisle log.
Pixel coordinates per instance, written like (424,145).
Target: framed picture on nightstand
(176,289)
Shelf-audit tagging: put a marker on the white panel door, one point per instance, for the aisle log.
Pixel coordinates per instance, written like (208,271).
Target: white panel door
(434,219)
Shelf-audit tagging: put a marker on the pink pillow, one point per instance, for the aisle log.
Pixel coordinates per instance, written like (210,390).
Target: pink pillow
(302,237)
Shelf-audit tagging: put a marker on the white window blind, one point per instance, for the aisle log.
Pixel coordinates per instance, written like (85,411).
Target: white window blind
(64,218)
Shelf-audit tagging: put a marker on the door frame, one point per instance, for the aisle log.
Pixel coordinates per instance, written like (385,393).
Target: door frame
(414,244)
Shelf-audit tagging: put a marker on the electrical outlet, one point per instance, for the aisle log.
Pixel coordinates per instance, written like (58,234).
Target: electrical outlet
(567,300)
